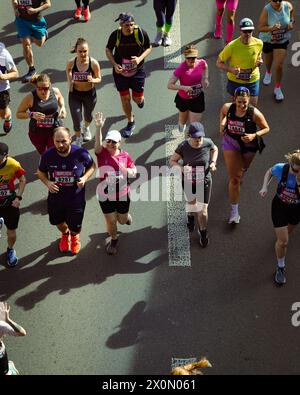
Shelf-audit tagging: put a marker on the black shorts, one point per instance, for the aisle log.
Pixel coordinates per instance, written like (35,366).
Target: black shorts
(11,216)
(112,206)
(196,105)
(268,47)
(284,214)
(72,216)
(4,99)
(4,367)
(201,192)
(136,82)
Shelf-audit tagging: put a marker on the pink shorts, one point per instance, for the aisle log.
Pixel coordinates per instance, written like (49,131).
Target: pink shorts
(231,4)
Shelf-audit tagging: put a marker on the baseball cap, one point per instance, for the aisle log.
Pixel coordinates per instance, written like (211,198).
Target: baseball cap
(3,149)
(196,129)
(246,24)
(113,135)
(125,17)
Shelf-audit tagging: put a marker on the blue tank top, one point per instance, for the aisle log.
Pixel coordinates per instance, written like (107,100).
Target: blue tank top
(283,17)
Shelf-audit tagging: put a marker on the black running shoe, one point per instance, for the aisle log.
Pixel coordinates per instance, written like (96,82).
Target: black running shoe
(204,240)
(27,77)
(279,276)
(190,223)
(128,131)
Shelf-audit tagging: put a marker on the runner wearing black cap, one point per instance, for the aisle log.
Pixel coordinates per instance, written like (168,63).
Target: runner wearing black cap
(10,199)
(126,50)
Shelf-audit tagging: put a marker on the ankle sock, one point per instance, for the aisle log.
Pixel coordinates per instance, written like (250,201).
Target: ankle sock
(281,262)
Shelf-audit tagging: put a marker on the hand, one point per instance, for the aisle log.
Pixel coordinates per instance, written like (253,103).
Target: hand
(31,11)
(277,26)
(263,192)
(213,166)
(90,78)
(248,138)
(38,116)
(16,203)
(81,182)
(118,69)
(62,113)
(17,13)
(52,187)
(259,62)
(5,309)
(187,89)
(234,70)
(290,26)
(135,60)
(99,119)
(205,83)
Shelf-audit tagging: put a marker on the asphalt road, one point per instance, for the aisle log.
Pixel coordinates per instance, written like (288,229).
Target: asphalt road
(133,313)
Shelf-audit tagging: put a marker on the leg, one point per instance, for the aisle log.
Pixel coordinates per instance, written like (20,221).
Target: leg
(183,118)
(75,104)
(282,239)
(78,3)
(269,61)
(122,218)
(86,3)
(278,60)
(234,164)
(39,140)
(230,25)
(159,9)
(194,117)
(291,228)
(27,51)
(219,16)
(89,104)
(138,98)
(63,228)
(202,216)
(11,237)
(111,225)
(126,105)
(247,160)
(170,9)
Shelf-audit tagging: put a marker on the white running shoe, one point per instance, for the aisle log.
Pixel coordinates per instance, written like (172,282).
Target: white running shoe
(181,128)
(267,78)
(78,141)
(158,38)
(87,136)
(234,218)
(278,94)
(167,40)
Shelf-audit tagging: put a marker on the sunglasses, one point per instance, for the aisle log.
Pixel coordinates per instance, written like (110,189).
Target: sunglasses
(43,88)
(277,1)
(247,31)
(111,141)
(191,58)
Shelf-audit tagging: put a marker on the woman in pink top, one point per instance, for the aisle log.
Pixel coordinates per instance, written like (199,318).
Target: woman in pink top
(193,77)
(231,6)
(114,168)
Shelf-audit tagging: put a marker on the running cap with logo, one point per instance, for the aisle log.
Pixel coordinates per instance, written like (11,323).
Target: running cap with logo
(113,135)
(196,129)
(125,17)
(191,53)
(3,149)
(247,24)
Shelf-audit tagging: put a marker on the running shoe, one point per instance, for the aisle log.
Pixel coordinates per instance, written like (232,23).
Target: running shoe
(158,38)
(87,136)
(218,32)
(77,14)
(204,240)
(111,247)
(234,218)
(278,95)
(279,276)
(12,370)
(129,221)
(181,128)
(64,244)
(267,78)
(11,257)
(141,105)
(190,223)
(86,14)
(78,141)
(75,244)
(128,131)
(167,40)
(27,77)
(7,126)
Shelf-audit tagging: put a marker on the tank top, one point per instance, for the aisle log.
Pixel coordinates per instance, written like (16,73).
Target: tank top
(283,17)
(236,127)
(22,8)
(81,76)
(49,108)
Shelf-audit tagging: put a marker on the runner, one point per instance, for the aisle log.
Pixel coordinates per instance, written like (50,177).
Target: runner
(231,10)
(7,327)
(45,107)
(199,155)
(285,206)
(243,58)
(241,141)
(86,10)
(83,73)
(193,77)
(115,166)
(10,199)
(31,26)
(275,25)
(8,72)
(164,10)
(126,50)
(64,169)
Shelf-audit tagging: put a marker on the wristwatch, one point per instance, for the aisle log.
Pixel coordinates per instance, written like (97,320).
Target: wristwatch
(19,197)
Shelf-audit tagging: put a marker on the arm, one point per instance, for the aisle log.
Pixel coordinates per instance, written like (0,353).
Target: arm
(99,121)
(223,66)
(97,72)
(61,103)
(173,161)
(205,78)
(292,18)
(138,59)
(23,109)
(223,117)
(15,7)
(81,182)
(110,57)
(22,182)
(214,156)
(12,74)
(267,179)
(261,122)
(52,187)
(175,87)
(46,4)
(69,74)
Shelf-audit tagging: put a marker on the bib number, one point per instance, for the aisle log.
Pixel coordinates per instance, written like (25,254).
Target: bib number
(236,127)
(80,76)
(196,175)
(196,91)
(47,122)
(129,68)
(277,35)
(64,178)
(4,192)
(244,74)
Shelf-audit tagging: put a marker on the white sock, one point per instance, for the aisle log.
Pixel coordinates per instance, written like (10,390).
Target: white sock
(234,208)
(281,262)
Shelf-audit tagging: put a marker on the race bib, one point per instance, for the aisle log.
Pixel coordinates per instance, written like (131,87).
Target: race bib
(236,127)
(47,122)
(4,191)
(64,178)
(80,76)
(289,197)
(24,4)
(196,91)
(196,175)
(277,35)
(244,74)
(129,68)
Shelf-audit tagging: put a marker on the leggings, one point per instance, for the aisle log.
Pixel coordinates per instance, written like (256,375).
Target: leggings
(164,10)
(231,4)
(85,3)
(78,100)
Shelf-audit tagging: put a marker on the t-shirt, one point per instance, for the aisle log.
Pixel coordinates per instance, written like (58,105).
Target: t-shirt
(65,172)
(243,56)
(196,157)
(24,4)
(8,174)
(6,64)
(191,77)
(113,181)
(128,47)
(290,195)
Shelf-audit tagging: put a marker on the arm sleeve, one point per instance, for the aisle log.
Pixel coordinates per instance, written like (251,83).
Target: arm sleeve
(19,170)
(112,41)
(225,54)
(43,166)
(178,71)
(6,329)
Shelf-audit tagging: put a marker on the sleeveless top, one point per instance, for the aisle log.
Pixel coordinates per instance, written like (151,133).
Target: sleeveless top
(81,76)
(283,17)
(48,107)
(236,127)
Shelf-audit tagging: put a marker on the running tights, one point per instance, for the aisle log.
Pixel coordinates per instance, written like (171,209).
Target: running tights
(84,2)
(164,10)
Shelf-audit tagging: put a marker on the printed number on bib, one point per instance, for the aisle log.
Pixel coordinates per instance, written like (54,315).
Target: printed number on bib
(129,68)
(64,178)
(244,74)
(196,91)
(4,191)
(289,197)
(277,35)
(80,76)
(196,175)
(236,127)
(47,122)
(23,4)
